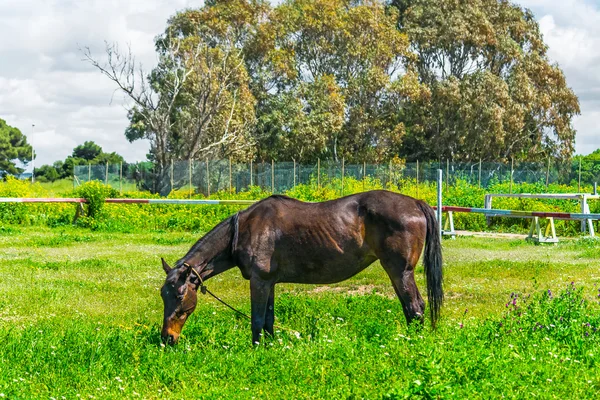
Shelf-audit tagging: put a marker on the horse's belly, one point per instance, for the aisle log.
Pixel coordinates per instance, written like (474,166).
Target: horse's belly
(330,252)
(323,269)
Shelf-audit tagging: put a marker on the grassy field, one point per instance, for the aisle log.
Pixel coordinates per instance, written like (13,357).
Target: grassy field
(80,314)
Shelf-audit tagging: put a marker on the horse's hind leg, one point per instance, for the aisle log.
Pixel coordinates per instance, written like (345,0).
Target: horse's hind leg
(400,267)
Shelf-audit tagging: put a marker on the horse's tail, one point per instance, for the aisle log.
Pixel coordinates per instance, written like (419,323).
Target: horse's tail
(432,260)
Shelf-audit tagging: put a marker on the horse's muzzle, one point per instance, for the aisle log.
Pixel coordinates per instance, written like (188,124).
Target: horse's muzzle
(170,339)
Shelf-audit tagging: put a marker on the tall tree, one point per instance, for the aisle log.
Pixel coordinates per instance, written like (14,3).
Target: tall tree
(13,148)
(84,154)
(345,54)
(87,151)
(46,173)
(494,93)
(196,102)
(297,124)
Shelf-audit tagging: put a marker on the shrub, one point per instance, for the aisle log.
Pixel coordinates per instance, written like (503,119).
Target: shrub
(95,193)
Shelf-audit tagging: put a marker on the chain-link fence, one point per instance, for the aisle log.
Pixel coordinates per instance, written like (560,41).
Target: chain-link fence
(221,175)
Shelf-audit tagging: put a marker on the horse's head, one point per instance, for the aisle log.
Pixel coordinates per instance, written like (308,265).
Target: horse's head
(179,297)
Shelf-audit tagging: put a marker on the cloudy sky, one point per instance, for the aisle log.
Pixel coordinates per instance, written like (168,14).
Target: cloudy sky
(43,80)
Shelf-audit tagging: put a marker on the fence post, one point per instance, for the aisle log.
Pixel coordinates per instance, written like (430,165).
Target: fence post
(364,174)
(319,173)
(512,171)
(439,202)
(343,162)
(106,175)
(207,179)
(89,171)
(172,185)
(584,210)
(447,173)
(251,183)
(548,174)
(417,196)
(272,176)
(230,175)
(479,184)
(190,176)
(294,173)
(579,181)
(121,177)
(390,175)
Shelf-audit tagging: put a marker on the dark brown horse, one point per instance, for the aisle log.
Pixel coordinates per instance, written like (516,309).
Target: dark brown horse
(280,239)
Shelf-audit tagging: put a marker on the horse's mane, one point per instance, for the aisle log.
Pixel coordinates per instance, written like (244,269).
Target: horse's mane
(230,222)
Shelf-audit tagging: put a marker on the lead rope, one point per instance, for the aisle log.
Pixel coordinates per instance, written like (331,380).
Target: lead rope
(204,290)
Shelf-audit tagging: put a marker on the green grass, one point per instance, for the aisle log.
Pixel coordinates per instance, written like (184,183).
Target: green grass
(62,186)
(80,314)
(58,187)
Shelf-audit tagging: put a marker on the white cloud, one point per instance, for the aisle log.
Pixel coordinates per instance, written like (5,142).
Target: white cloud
(43,80)
(571,29)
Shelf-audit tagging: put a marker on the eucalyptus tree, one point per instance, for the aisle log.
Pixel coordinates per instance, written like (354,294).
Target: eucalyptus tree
(495,94)
(333,80)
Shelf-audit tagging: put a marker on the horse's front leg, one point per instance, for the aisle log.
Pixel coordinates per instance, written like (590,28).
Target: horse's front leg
(260,291)
(270,315)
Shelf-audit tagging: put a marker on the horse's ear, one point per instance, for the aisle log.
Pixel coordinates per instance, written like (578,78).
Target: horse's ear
(165,266)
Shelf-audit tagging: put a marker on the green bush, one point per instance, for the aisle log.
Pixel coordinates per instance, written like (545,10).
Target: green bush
(95,193)
(30,214)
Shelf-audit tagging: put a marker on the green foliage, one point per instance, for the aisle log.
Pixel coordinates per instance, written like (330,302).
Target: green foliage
(87,153)
(95,193)
(46,173)
(299,123)
(494,93)
(13,146)
(593,156)
(335,93)
(565,316)
(197,101)
(132,217)
(31,214)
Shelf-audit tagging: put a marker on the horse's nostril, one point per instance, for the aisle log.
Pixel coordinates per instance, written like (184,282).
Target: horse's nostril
(168,339)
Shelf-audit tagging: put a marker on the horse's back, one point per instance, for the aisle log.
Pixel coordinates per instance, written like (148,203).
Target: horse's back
(377,205)
(393,208)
